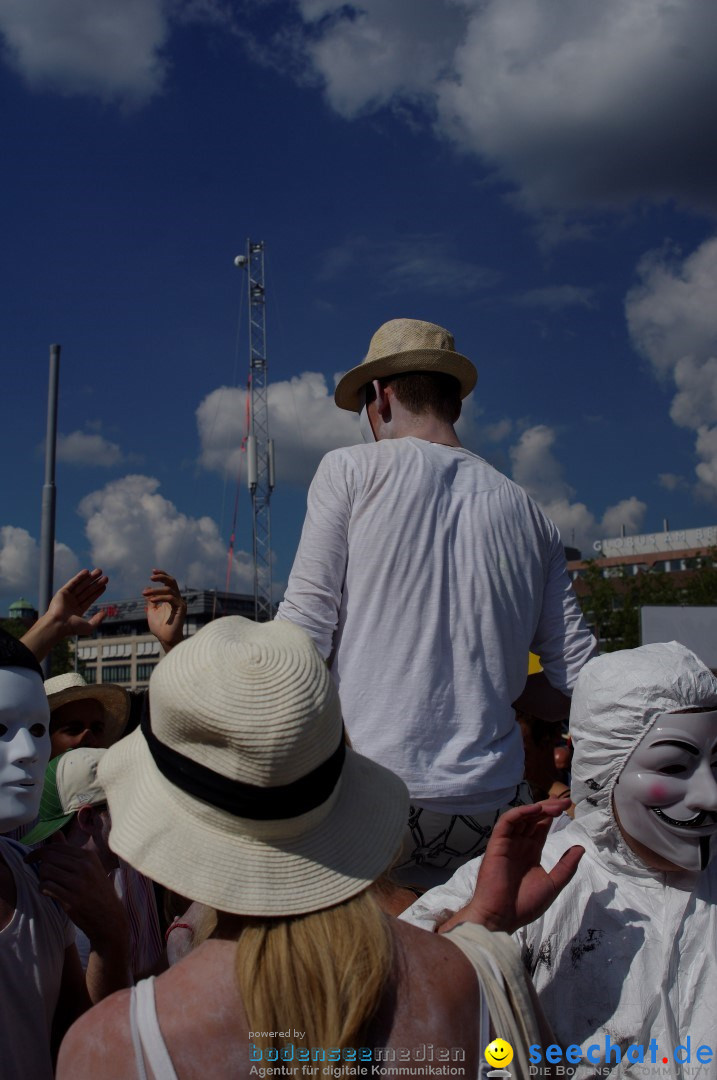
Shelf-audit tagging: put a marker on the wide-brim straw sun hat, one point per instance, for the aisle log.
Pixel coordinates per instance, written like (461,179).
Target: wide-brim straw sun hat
(240,791)
(401,346)
(114,699)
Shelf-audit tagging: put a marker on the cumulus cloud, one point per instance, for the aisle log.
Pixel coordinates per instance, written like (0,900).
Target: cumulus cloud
(88,448)
(537,469)
(496,432)
(672,482)
(368,55)
(131,528)
(569,103)
(672,321)
(96,47)
(20,561)
(305,424)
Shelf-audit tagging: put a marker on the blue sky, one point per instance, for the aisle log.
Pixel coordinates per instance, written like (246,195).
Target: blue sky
(539,176)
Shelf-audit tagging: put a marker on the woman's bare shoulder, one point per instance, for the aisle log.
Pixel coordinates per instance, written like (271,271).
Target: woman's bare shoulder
(422,948)
(438,990)
(98,1043)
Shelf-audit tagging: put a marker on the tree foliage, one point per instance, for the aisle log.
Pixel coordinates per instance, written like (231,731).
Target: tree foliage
(61,658)
(612,604)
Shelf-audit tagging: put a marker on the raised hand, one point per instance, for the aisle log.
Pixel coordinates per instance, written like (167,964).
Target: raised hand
(69,604)
(513,888)
(65,617)
(166,609)
(75,878)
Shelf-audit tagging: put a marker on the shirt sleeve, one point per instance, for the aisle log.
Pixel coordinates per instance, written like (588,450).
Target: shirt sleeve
(313,594)
(562,639)
(436,905)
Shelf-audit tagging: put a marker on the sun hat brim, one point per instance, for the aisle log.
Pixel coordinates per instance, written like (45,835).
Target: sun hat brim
(252,867)
(348,390)
(115,701)
(46,828)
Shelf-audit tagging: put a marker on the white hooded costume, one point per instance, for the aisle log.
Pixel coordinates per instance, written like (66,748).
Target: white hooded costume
(625,951)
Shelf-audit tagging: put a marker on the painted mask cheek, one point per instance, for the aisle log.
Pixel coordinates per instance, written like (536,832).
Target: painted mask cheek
(657,793)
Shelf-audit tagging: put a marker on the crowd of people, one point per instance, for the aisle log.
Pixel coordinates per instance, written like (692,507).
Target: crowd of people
(313,848)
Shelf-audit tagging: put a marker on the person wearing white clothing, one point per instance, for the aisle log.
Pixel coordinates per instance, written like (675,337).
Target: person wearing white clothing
(425,576)
(42,988)
(629,950)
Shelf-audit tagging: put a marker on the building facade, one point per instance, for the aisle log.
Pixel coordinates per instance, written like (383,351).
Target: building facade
(124,651)
(679,550)
(628,573)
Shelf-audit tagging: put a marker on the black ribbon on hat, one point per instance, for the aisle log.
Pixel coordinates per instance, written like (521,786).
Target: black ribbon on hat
(246,800)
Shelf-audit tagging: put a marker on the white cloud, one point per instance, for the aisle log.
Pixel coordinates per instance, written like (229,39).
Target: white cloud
(628,512)
(131,528)
(20,561)
(88,448)
(672,482)
(706,469)
(368,54)
(536,468)
(495,433)
(672,320)
(304,424)
(98,47)
(569,102)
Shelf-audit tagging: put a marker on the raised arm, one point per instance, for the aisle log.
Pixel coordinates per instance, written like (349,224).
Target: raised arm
(166,609)
(313,593)
(65,617)
(76,879)
(513,889)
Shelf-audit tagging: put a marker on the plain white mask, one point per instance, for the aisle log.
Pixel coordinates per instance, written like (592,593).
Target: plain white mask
(666,795)
(24,745)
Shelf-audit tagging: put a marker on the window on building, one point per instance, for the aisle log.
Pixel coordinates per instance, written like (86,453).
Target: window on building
(144,671)
(147,648)
(90,674)
(116,673)
(117,650)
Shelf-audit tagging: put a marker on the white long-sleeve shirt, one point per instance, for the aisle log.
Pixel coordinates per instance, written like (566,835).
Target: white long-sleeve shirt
(429,575)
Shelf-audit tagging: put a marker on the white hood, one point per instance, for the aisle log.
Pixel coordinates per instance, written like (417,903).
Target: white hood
(617,699)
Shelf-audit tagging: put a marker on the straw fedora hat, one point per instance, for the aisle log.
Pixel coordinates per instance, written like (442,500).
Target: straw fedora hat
(400,346)
(240,791)
(114,699)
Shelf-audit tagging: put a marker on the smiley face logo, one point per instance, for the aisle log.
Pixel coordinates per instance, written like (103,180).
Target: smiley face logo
(498,1053)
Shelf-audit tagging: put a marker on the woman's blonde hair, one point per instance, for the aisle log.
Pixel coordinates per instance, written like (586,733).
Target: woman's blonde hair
(324,972)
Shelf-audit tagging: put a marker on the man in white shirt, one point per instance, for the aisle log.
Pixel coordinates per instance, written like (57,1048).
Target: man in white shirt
(425,577)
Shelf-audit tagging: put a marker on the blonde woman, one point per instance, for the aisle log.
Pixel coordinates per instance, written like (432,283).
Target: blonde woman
(243,796)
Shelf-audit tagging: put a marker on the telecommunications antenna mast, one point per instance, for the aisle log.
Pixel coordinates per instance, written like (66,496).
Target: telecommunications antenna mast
(259,447)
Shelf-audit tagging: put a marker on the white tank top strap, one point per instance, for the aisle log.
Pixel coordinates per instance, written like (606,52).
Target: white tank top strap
(507,994)
(149,1045)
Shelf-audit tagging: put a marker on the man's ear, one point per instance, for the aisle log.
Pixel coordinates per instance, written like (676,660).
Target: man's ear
(383,400)
(89,819)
